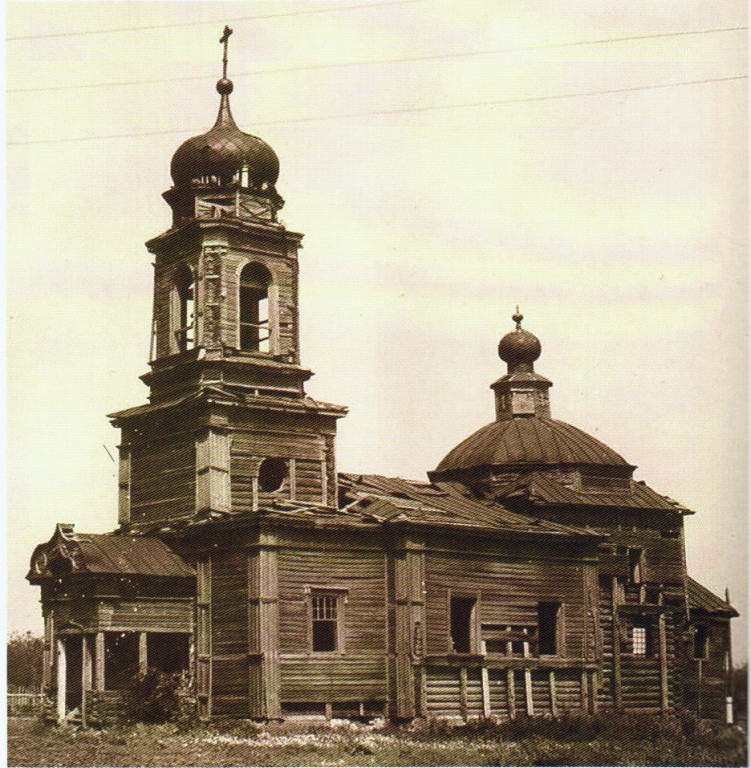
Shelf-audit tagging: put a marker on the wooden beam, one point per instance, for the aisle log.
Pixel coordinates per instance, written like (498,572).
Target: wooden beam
(528,681)
(86,675)
(593,688)
(61,680)
(617,686)
(511,693)
(664,692)
(553,694)
(463,708)
(584,693)
(143,653)
(99,662)
(263,630)
(484,677)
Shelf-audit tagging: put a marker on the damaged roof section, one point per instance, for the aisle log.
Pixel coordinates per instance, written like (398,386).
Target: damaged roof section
(540,488)
(393,499)
(105,553)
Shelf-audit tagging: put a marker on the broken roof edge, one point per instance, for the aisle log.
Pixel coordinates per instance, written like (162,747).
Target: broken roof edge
(700,598)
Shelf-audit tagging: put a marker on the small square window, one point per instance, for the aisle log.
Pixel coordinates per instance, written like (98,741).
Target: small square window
(639,640)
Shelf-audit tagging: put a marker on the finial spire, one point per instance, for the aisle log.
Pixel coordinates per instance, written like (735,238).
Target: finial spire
(225,40)
(517,318)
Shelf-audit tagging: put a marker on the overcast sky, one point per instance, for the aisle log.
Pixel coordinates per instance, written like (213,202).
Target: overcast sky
(435,194)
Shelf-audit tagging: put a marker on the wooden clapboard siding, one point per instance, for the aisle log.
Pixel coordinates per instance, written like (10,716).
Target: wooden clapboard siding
(498,683)
(342,562)
(229,632)
(509,591)
(308,481)
(568,690)
(443,688)
(163,480)
(143,615)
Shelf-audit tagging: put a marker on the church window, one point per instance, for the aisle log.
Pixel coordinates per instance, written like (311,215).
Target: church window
(255,326)
(642,638)
(463,613)
(701,642)
(183,309)
(326,613)
(271,474)
(548,620)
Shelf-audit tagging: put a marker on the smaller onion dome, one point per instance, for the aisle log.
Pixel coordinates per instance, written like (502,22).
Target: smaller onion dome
(520,348)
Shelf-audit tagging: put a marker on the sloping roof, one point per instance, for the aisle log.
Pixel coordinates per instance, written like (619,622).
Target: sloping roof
(540,488)
(700,598)
(107,553)
(529,440)
(389,499)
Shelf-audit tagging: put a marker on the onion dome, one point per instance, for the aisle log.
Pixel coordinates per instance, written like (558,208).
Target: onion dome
(225,153)
(534,441)
(519,349)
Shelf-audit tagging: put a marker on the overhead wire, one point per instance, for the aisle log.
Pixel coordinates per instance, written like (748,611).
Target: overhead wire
(378,62)
(404,110)
(174,24)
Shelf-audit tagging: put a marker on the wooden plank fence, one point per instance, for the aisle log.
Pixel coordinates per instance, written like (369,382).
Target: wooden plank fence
(24,704)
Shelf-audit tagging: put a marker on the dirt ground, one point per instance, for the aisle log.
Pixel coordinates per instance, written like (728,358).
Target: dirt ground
(241,743)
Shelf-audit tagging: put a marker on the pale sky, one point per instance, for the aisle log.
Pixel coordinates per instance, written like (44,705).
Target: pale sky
(435,194)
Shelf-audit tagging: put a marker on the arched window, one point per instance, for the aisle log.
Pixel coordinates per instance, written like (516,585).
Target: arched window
(183,318)
(255,327)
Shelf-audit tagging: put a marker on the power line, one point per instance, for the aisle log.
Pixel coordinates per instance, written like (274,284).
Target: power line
(402,110)
(376,62)
(277,15)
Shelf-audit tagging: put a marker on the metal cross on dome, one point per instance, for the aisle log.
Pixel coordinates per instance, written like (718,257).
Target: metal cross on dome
(225,39)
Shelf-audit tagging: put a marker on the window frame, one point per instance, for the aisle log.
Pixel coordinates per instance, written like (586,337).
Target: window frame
(341,597)
(559,633)
(183,330)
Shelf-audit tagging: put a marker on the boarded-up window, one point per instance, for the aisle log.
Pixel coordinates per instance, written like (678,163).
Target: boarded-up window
(462,624)
(325,616)
(548,618)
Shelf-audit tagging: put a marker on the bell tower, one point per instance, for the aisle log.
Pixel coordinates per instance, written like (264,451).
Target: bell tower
(228,428)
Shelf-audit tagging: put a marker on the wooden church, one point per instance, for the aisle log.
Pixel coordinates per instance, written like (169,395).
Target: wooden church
(529,574)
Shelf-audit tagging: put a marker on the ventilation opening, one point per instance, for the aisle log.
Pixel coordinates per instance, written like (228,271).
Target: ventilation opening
(462,619)
(271,474)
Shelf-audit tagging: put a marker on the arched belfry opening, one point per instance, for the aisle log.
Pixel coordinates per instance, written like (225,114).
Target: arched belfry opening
(183,309)
(255,308)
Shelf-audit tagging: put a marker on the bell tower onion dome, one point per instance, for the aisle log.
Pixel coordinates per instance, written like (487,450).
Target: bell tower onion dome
(225,154)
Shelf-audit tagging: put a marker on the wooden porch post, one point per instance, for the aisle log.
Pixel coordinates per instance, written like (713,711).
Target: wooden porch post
(86,675)
(617,690)
(664,697)
(99,662)
(528,681)
(61,680)
(511,693)
(553,698)
(143,653)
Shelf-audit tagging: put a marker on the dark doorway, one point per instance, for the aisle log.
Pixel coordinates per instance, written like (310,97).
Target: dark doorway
(167,651)
(73,670)
(547,628)
(462,619)
(120,659)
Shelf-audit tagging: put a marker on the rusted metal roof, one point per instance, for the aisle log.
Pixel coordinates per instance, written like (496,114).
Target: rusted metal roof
(700,598)
(389,499)
(528,440)
(107,553)
(539,488)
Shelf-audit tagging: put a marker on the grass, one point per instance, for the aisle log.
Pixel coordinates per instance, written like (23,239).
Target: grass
(600,740)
